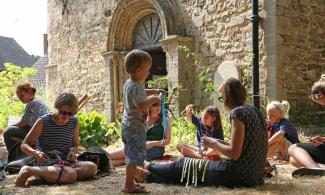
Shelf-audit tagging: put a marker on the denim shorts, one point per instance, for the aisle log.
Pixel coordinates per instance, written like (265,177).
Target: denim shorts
(134,145)
(155,153)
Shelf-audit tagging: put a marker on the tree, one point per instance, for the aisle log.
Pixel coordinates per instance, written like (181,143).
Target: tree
(9,102)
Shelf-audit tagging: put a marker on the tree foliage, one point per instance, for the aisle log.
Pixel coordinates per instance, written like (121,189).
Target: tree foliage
(9,102)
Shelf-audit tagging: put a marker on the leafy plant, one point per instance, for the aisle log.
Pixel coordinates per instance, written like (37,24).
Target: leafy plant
(203,73)
(94,131)
(162,83)
(9,102)
(183,130)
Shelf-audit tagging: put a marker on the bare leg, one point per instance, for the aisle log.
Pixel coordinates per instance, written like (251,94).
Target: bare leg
(48,173)
(129,179)
(282,147)
(117,163)
(301,157)
(85,169)
(188,151)
(117,154)
(295,163)
(273,147)
(321,165)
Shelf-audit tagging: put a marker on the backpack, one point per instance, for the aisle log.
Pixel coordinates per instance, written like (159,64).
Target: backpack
(98,156)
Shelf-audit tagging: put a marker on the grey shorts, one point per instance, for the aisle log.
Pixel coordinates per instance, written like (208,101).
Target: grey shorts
(134,145)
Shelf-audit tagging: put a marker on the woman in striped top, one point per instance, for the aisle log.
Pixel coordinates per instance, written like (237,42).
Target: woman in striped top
(54,135)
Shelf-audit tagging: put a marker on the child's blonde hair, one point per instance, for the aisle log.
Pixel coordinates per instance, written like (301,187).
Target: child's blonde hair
(319,86)
(136,59)
(283,106)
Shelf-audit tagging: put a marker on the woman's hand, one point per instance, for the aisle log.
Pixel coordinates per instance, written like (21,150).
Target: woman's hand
(41,157)
(72,158)
(207,142)
(316,141)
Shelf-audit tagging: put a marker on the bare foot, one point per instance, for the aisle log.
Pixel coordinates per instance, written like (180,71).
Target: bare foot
(135,189)
(24,173)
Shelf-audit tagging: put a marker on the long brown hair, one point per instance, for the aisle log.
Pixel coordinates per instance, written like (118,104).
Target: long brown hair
(234,93)
(214,112)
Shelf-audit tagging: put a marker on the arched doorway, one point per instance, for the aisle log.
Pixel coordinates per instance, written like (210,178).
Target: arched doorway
(148,36)
(154,26)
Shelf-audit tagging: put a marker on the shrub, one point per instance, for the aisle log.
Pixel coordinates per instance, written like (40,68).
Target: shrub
(94,131)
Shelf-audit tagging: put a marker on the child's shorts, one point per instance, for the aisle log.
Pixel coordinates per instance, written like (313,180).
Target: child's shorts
(134,145)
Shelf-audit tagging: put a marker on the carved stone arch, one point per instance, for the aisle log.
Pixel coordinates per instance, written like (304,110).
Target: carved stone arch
(129,12)
(180,70)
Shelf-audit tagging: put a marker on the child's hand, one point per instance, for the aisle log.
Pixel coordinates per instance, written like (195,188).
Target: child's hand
(189,110)
(161,91)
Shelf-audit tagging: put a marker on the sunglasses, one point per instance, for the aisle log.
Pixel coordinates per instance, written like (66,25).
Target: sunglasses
(64,113)
(220,99)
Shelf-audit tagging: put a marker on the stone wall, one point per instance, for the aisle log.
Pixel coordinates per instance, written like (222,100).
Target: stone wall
(222,31)
(76,40)
(300,54)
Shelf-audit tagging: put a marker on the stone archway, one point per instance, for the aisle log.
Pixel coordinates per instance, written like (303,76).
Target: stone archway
(120,40)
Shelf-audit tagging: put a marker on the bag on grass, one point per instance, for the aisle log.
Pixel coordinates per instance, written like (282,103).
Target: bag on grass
(98,156)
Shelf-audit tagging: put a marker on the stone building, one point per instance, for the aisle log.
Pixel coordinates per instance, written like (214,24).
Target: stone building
(88,41)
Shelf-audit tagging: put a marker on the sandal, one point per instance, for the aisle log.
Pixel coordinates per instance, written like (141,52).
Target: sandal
(308,172)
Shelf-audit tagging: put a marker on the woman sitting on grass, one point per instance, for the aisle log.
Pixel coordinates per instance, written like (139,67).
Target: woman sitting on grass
(246,150)
(310,157)
(55,134)
(155,148)
(208,125)
(282,130)
(34,109)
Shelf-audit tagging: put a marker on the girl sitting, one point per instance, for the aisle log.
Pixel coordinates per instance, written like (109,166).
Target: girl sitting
(208,125)
(282,129)
(155,148)
(309,158)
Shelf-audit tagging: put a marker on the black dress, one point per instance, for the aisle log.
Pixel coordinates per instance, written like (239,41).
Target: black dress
(248,170)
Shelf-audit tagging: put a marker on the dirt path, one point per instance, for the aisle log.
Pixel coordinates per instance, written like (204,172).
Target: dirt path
(283,183)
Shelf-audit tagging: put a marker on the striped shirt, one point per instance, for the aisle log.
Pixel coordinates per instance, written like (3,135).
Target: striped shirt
(55,137)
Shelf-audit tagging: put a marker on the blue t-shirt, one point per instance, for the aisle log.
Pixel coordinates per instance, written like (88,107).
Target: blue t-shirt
(291,133)
(205,130)
(34,110)
(133,94)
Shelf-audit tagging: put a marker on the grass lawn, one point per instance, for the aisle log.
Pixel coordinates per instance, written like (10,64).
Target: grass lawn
(283,183)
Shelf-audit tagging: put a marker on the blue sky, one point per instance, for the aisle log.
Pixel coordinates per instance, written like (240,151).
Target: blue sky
(26,22)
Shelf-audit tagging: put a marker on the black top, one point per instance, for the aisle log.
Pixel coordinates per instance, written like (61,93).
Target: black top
(250,165)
